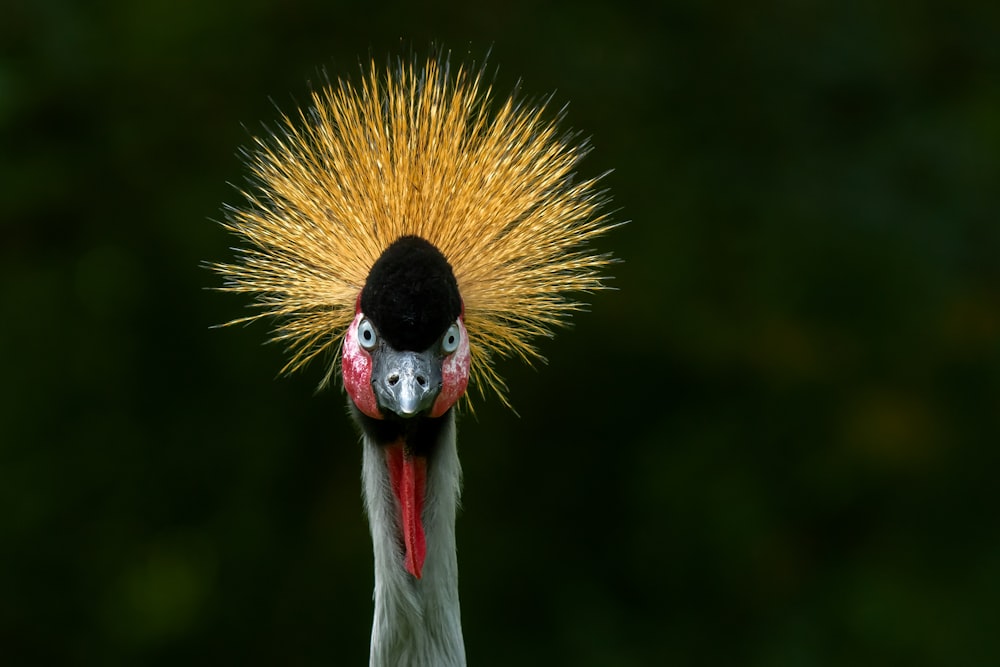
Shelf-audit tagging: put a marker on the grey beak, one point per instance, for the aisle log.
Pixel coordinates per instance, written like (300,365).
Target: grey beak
(406,382)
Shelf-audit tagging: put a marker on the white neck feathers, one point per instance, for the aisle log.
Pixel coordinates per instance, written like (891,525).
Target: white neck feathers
(417,621)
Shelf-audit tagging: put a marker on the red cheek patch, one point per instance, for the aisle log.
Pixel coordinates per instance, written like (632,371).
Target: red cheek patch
(454,374)
(356,365)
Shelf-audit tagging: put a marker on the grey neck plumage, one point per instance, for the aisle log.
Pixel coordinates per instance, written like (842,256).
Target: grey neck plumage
(417,621)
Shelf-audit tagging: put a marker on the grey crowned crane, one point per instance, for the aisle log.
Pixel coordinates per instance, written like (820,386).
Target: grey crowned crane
(420,231)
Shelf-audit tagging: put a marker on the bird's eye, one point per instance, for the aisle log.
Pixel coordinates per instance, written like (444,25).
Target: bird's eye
(450,341)
(366,334)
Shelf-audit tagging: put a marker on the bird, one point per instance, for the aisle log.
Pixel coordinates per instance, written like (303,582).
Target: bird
(411,227)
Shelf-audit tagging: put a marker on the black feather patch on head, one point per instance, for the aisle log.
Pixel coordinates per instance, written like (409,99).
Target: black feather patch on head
(411,295)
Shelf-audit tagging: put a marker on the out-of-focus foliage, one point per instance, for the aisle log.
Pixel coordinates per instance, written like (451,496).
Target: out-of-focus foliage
(775,445)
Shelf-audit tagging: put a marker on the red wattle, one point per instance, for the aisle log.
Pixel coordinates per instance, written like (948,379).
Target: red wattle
(408,476)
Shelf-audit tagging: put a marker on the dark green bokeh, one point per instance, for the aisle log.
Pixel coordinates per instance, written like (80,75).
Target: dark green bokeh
(775,445)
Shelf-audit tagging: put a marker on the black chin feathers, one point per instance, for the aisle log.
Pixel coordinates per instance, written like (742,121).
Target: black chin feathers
(411,295)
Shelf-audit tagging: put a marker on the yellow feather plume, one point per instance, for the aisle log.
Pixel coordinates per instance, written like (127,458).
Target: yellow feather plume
(418,150)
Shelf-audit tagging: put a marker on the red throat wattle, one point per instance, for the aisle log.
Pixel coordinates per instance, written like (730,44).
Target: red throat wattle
(408,476)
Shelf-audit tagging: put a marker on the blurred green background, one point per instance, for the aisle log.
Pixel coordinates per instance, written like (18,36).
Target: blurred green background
(775,445)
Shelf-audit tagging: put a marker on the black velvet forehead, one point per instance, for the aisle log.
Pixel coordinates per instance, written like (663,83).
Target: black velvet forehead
(411,295)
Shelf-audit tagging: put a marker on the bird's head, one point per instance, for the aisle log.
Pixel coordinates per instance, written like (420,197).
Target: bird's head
(401,182)
(406,357)
(406,353)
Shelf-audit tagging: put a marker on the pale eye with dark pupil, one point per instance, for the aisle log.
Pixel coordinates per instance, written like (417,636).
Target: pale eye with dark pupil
(366,335)
(450,341)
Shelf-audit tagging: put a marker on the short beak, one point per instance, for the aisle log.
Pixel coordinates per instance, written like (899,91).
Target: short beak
(406,382)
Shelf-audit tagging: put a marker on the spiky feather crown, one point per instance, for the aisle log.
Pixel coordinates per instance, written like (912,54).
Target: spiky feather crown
(414,150)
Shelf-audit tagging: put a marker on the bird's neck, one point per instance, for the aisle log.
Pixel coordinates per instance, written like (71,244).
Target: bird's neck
(417,621)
